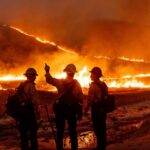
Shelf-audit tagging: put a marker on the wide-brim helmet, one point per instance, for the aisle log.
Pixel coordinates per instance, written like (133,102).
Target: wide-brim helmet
(97,71)
(30,72)
(70,68)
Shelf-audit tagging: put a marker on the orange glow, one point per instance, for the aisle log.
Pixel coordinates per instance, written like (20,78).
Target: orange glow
(42,40)
(12,78)
(133,59)
(127,84)
(123,58)
(83,75)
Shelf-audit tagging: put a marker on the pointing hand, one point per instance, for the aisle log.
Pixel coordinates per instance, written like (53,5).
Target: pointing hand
(47,67)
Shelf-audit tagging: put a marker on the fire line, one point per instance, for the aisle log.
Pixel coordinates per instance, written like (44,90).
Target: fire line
(83,76)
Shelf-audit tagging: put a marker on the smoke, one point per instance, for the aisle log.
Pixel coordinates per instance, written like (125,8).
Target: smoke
(63,21)
(69,21)
(91,27)
(137,11)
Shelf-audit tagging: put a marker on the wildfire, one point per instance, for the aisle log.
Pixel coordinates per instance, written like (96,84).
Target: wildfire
(127,84)
(133,59)
(128,81)
(83,76)
(12,78)
(123,58)
(43,40)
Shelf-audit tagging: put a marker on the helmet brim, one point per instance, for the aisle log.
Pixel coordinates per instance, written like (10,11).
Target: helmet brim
(26,74)
(69,71)
(96,73)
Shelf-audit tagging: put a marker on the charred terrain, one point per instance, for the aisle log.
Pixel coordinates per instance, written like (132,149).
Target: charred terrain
(128,126)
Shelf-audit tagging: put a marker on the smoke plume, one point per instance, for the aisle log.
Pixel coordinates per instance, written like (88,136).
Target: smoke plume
(112,28)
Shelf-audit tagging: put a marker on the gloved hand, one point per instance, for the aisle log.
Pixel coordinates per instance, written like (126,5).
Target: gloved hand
(47,68)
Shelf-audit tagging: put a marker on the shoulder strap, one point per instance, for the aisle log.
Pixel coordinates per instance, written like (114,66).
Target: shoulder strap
(20,89)
(103,87)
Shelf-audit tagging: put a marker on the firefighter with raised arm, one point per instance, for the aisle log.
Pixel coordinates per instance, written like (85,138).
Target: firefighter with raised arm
(95,101)
(68,106)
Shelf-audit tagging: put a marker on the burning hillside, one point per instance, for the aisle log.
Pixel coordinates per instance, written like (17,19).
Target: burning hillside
(20,50)
(118,39)
(112,34)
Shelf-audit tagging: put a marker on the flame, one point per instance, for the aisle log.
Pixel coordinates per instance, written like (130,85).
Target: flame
(128,81)
(70,51)
(133,59)
(12,78)
(43,40)
(83,75)
(123,58)
(128,84)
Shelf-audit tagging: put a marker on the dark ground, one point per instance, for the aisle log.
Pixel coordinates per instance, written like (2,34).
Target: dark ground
(128,126)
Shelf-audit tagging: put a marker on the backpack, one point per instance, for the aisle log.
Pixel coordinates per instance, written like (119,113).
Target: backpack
(17,104)
(68,102)
(108,100)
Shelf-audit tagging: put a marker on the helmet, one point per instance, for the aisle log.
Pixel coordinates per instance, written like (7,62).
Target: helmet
(31,72)
(97,71)
(71,68)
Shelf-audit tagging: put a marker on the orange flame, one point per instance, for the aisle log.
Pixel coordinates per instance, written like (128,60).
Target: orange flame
(42,40)
(123,58)
(12,78)
(83,76)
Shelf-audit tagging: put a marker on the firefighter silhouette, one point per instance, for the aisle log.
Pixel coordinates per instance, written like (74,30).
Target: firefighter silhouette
(98,113)
(68,106)
(27,122)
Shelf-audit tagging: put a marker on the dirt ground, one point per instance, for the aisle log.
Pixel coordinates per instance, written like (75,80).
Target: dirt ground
(128,127)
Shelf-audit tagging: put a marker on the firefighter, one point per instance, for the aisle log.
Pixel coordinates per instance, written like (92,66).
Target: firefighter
(27,121)
(68,106)
(98,114)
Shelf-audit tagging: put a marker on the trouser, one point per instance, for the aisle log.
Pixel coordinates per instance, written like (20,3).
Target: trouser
(99,125)
(28,132)
(60,125)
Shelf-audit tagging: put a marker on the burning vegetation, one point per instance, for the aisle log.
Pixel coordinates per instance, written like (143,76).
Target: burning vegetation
(29,50)
(113,35)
